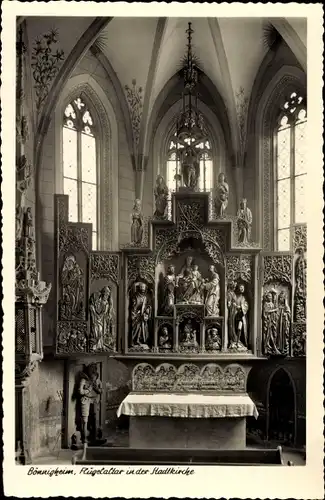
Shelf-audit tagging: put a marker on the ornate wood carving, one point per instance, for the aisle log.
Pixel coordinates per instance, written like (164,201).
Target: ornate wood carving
(277,268)
(72,337)
(142,268)
(239,267)
(188,377)
(72,286)
(300,238)
(299,339)
(73,237)
(134,99)
(105,266)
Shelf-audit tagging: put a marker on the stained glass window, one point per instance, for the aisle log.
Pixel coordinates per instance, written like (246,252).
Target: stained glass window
(291,169)
(80,165)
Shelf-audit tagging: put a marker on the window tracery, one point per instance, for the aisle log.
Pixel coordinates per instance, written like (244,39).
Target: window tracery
(290,169)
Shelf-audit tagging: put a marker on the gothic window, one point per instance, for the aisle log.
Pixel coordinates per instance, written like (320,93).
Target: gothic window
(290,170)
(174,163)
(80,172)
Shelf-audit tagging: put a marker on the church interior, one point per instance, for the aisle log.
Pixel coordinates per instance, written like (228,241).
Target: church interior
(160,236)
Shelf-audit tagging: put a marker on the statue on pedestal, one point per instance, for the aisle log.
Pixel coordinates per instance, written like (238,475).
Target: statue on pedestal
(28,227)
(137,223)
(244,222)
(169,291)
(141,310)
(212,287)
(222,195)
(189,342)
(164,342)
(90,390)
(161,198)
(189,283)
(101,320)
(213,340)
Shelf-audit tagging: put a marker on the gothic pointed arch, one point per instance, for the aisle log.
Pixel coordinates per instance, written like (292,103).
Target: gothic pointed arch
(105,131)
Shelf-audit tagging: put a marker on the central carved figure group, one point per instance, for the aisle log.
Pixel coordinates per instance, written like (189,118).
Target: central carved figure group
(189,287)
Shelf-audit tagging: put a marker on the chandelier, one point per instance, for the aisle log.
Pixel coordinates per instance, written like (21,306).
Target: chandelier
(190,123)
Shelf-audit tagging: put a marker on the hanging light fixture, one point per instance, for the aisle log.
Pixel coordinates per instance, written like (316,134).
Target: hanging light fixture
(190,123)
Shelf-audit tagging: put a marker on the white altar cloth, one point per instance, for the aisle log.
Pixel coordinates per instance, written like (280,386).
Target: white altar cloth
(187,406)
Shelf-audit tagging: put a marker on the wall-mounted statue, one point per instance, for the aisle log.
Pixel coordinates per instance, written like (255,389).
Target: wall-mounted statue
(161,198)
(188,338)
(90,390)
(190,167)
(72,290)
(189,283)
(222,195)
(300,287)
(141,310)
(102,335)
(169,291)
(237,318)
(212,287)
(137,223)
(244,222)
(164,340)
(213,339)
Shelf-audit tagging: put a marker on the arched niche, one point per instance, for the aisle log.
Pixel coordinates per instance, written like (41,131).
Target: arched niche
(281,408)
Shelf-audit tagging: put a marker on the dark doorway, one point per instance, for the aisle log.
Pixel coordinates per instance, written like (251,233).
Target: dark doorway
(281,409)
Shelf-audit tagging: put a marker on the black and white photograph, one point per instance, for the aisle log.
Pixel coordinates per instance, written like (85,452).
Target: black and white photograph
(162,244)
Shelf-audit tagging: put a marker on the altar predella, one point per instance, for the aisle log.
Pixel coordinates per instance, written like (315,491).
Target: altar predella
(194,284)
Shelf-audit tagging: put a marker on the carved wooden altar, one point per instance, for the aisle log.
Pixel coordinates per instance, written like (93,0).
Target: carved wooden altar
(148,304)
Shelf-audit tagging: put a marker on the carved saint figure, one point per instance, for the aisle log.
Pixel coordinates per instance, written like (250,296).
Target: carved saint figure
(284,316)
(71,302)
(101,320)
(222,195)
(161,197)
(137,223)
(164,342)
(212,287)
(270,323)
(28,224)
(190,168)
(19,222)
(169,290)
(244,222)
(213,341)
(140,315)
(189,341)
(301,287)
(190,283)
(90,390)
(241,319)
(232,311)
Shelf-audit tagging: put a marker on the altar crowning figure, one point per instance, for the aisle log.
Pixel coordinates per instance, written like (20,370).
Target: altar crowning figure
(101,320)
(161,198)
(222,195)
(190,168)
(244,222)
(140,315)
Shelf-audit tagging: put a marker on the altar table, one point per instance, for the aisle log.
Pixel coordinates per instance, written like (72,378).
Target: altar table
(187,420)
